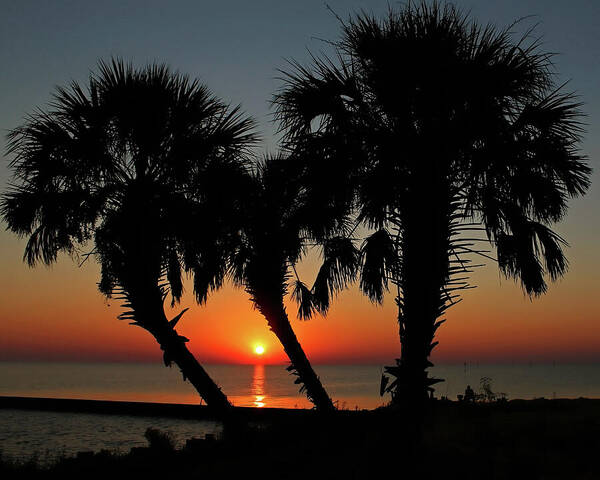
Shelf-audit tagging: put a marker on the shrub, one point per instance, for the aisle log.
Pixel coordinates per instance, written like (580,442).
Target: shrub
(160,440)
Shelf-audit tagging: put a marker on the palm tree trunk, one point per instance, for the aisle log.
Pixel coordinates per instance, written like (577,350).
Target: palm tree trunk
(279,324)
(425,267)
(175,350)
(148,312)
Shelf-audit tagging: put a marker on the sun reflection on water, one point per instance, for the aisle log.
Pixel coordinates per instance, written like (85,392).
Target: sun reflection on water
(258,386)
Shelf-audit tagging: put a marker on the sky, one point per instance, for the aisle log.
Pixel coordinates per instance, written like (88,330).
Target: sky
(236,49)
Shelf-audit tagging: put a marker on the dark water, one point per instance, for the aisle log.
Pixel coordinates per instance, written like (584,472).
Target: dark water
(23,432)
(48,434)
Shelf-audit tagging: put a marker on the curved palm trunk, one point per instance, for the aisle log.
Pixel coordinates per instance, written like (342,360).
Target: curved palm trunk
(279,323)
(148,313)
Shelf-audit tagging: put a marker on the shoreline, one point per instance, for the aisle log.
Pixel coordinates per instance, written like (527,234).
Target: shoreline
(143,409)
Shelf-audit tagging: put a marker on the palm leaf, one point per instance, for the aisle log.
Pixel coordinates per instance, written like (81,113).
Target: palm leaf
(341,261)
(302,295)
(379,256)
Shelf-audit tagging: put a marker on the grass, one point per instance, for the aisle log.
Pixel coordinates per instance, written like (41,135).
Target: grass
(533,439)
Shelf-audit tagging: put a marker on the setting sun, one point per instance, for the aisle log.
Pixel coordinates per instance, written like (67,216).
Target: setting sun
(259,349)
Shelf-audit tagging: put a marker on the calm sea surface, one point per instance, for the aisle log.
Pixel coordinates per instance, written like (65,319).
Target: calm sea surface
(25,432)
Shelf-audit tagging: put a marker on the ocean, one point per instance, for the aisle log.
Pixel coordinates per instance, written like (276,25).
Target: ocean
(351,386)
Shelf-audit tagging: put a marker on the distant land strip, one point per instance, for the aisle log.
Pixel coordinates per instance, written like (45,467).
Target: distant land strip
(170,410)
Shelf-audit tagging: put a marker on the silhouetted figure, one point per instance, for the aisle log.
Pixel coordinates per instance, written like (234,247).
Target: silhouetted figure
(434,128)
(469,395)
(135,165)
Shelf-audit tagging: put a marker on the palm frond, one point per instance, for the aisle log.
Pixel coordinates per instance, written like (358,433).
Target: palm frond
(529,252)
(341,262)
(173,275)
(379,257)
(303,296)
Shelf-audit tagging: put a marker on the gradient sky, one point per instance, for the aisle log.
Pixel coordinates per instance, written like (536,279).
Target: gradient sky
(235,47)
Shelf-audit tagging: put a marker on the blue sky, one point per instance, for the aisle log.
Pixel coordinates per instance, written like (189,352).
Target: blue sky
(237,46)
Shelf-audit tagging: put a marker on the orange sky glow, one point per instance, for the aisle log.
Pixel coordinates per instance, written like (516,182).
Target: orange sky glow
(56,313)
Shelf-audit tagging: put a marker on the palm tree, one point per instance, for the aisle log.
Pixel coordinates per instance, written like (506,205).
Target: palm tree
(441,128)
(279,217)
(137,163)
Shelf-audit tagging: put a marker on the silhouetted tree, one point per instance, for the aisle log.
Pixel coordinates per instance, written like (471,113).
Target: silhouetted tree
(138,163)
(278,221)
(440,127)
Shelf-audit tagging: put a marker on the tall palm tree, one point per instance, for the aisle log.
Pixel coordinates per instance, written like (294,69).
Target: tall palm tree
(136,164)
(441,128)
(279,218)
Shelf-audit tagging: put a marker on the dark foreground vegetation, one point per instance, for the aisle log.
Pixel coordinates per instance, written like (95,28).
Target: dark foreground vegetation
(533,439)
